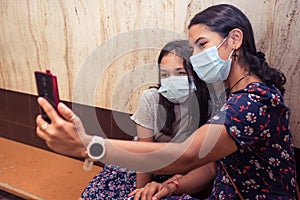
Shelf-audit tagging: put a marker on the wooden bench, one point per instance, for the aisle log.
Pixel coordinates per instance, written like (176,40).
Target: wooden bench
(34,173)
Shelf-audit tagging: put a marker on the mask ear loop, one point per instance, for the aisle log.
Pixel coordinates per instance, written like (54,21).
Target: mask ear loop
(222,42)
(232,54)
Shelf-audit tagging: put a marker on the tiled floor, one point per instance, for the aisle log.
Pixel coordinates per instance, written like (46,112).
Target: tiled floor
(7,196)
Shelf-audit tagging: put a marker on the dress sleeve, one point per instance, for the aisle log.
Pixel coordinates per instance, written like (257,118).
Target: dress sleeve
(246,120)
(146,110)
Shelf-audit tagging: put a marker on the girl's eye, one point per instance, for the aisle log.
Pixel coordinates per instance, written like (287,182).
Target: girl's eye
(181,73)
(164,75)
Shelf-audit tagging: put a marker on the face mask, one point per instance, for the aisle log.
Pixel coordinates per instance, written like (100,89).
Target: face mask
(209,66)
(176,88)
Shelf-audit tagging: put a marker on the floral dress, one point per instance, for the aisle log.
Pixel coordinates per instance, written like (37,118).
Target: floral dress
(110,179)
(115,183)
(263,167)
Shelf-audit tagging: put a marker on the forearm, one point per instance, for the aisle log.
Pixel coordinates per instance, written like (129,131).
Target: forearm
(204,175)
(137,155)
(201,148)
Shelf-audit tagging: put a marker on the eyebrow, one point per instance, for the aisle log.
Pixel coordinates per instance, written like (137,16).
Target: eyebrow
(162,70)
(176,69)
(199,38)
(179,68)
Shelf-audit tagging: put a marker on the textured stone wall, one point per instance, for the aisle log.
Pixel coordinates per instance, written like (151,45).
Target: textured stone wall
(104,52)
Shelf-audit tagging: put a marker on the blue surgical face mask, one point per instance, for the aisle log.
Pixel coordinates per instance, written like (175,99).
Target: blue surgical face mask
(176,88)
(209,66)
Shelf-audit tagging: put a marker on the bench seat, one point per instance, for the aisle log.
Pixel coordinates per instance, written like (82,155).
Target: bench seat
(34,173)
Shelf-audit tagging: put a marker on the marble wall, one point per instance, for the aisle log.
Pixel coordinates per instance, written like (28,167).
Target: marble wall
(104,52)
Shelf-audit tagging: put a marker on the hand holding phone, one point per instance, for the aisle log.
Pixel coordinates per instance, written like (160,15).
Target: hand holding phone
(47,87)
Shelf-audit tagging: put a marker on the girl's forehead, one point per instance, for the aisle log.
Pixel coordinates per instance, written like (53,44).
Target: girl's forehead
(172,58)
(171,61)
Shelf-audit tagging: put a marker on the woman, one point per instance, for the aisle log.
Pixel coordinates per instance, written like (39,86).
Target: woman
(249,138)
(174,103)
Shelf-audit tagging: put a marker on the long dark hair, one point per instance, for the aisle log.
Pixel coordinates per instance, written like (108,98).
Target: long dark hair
(181,48)
(222,19)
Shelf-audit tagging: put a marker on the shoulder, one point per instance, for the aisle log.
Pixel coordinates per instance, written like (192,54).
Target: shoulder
(150,95)
(256,94)
(252,115)
(151,92)
(258,106)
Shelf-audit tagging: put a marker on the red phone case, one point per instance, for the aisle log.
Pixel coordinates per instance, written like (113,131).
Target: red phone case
(47,87)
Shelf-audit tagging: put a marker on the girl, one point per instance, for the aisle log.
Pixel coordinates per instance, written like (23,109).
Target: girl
(171,112)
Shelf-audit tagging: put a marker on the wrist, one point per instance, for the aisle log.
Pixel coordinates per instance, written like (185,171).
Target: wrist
(96,148)
(174,186)
(94,151)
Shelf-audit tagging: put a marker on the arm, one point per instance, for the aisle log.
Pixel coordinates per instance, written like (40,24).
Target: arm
(144,136)
(207,144)
(195,180)
(191,183)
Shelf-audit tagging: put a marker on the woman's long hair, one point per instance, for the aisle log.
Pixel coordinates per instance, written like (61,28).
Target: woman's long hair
(222,19)
(181,48)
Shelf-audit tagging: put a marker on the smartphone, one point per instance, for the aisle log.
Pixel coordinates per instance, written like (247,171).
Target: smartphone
(47,87)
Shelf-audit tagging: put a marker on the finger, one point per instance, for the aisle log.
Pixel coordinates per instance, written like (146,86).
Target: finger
(39,121)
(133,192)
(163,190)
(149,190)
(41,133)
(158,187)
(147,194)
(160,194)
(143,194)
(137,196)
(65,112)
(48,108)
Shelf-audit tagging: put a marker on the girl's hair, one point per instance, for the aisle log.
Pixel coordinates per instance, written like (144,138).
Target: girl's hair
(222,19)
(181,48)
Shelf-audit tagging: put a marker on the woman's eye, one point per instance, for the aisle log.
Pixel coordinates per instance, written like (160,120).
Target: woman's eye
(201,44)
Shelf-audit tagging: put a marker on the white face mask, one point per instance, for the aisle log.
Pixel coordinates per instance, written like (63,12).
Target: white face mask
(176,88)
(209,66)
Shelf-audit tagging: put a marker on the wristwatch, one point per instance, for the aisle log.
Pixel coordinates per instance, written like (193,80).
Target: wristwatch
(96,148)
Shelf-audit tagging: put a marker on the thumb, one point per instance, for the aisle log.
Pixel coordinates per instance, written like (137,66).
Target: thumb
(69,115)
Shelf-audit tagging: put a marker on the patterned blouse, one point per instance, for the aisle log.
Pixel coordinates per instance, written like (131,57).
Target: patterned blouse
(263,167)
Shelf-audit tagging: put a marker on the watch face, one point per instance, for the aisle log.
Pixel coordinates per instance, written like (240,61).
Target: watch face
(96,149)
